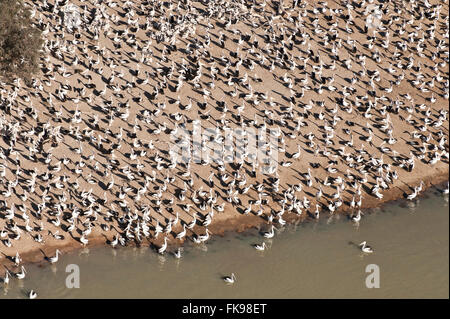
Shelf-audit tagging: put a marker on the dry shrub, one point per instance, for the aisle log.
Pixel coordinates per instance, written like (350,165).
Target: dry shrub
(20,41)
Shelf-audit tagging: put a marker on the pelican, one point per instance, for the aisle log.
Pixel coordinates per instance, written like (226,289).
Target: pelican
(317,212)
(6,278)
(54,259)
(297,154)
(230,279)
(193,222)
(270,233)
(17,259)
(32,294)
(21,274)
(84,240)
(446,190)
(115,241)
(177,253)
(204,237)
(365,248)
(357,217)
(260,247)
(413,195)
(181,234)
(163,248)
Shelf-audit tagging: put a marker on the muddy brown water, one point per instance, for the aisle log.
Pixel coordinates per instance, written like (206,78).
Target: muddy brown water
(317,259)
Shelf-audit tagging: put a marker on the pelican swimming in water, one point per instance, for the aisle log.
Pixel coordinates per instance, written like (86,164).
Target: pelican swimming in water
(230,279)
(366,248)
(260,247)
(32,294)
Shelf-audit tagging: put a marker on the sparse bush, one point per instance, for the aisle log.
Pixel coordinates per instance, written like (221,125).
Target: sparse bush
(20,41)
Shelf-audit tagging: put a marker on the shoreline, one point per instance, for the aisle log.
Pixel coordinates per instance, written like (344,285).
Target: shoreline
(221,228)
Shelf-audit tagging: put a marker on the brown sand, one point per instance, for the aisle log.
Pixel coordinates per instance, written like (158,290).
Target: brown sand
(231,218)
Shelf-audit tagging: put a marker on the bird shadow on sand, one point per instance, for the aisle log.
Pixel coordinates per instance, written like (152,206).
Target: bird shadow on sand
(10,258)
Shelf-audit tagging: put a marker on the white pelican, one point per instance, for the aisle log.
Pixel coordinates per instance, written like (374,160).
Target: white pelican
(21,274)
(54,259)
(17,259)
(413,195)
(204,237)
(366,248)
(6,278)
(177,253)
(32,294)
(260,247)
(84,240)
(193,222)
(230,279)
(357,217)
(182,233)
(162,249)
(270,233)
(446,191)
(115,241)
